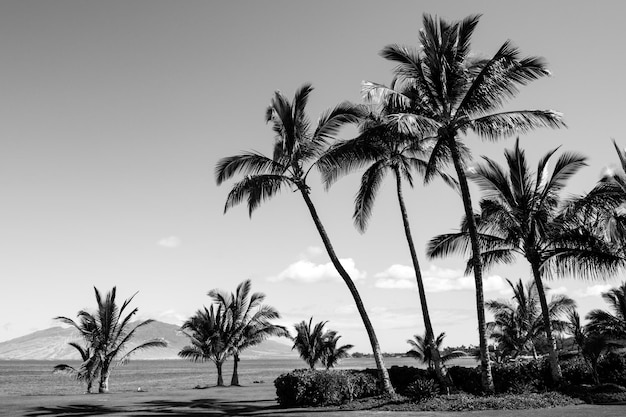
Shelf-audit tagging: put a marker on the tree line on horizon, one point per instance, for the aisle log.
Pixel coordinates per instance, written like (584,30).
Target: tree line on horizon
(416,126)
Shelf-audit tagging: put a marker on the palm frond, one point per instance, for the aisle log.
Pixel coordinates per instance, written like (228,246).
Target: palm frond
(256,189)
(507,124)
(364,201)
(249,163)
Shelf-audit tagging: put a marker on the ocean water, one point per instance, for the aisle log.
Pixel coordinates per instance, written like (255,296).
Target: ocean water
(36,378)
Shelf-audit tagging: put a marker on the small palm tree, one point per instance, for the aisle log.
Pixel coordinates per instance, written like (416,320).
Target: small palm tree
(107,334)
(296,147)
(309,341)
(333,353)
(607,323)
(249,322)
(422,351)
(208,333)
(518,325)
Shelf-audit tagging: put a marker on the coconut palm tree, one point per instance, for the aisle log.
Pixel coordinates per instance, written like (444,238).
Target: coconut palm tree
(449,93)
(591,344)
(248,321)
(607,323)
(209,334)
(332,353)
(297,145)
(383,149)
(310,341)
(421,350)
(107,333)
(520,214)
(518,325)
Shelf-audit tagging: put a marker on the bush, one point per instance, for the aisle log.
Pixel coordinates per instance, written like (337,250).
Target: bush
(576,371)
(466,379)
(612,368)
(421,390)
(305,387)
(598,394)
(521,377)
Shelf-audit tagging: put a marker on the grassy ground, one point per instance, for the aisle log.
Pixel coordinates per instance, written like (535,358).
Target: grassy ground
(255,400)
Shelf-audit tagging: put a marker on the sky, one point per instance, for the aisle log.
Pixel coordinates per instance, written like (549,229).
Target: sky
(114,115)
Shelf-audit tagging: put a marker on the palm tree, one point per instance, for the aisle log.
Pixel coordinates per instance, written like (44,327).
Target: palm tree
(448,93)
(296,146)
(521,215)
(518,326)
(422,351)
(383,147)
(310,341)
(209,335)
(86,371)
(249,322)
(591,344)
(332,353)
(107,334)
(611,325)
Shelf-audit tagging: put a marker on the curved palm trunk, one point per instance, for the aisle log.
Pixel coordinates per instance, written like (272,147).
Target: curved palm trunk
(440,368)
(220,379)
(235,378)
(378,356)
(487,378)
(555,368)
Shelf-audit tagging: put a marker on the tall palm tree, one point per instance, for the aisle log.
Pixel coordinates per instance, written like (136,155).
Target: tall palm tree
(309,341)
(249,322)
(518,325)
(209,334)
(332,353)
(421,349)
(297,145)
(607,323)
(383,148)
(450,93)
(520,214)
(107,333)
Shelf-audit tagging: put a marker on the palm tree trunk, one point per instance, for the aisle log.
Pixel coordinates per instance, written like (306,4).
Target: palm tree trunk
(487,378)
(103,387)
(440,368)
(378,356)
(220,379)
(555,368)
(235,378)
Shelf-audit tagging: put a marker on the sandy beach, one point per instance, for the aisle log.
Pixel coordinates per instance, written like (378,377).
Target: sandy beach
(257,400)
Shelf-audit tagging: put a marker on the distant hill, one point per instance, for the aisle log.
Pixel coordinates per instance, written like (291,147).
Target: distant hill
(52,344)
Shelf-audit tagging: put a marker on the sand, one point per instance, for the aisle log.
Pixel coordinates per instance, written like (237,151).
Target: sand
(255,400)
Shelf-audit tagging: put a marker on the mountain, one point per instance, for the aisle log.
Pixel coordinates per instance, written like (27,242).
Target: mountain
(52,344)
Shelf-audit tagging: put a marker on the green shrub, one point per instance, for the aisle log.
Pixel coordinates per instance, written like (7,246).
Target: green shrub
(612,368)
(466,379)
(520,377)
(402,376)
(305,387)
(576,371)
(421,390)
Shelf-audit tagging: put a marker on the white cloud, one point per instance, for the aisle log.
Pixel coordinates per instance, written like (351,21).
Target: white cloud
(594,290)
(311,252)
(307,271)
(435,279)
(558,290)
(170,242)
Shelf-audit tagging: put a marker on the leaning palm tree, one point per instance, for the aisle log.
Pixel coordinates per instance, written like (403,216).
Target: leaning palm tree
(332,353)
(309,341)
(297,145)
(449,93)
(518,325)
(421,350)
(521,214)
(249,321)
(107,333)
(383,148)
(607,323)
(209,334)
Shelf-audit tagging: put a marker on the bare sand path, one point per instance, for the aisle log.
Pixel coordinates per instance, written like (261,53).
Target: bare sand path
(257,400)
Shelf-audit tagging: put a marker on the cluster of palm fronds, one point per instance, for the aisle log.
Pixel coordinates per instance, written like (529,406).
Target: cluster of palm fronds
(106,334)
(233,323)
(314,344)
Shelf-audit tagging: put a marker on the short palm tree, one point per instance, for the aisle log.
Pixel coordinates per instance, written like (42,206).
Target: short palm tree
(520,214)
(249,322)
(591,344)
(448,93)
(107,333)
(421,350)
(309,341)
(333,353)
(611,324)
(296,148)
(518,325)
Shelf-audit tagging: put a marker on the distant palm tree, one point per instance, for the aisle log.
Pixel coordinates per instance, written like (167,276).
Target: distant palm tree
(421,350)
(296,146)
(518,326)
(208,333)
(382,148)
(107,334)
(521,215)
(249,322)
(333,353)
(310,341)
(607,323)
(591,344)
(449,93)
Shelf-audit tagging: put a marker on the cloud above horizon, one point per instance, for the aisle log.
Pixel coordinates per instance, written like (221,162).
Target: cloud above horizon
(170,242)
(307,271)
(435,279)
(594,290)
